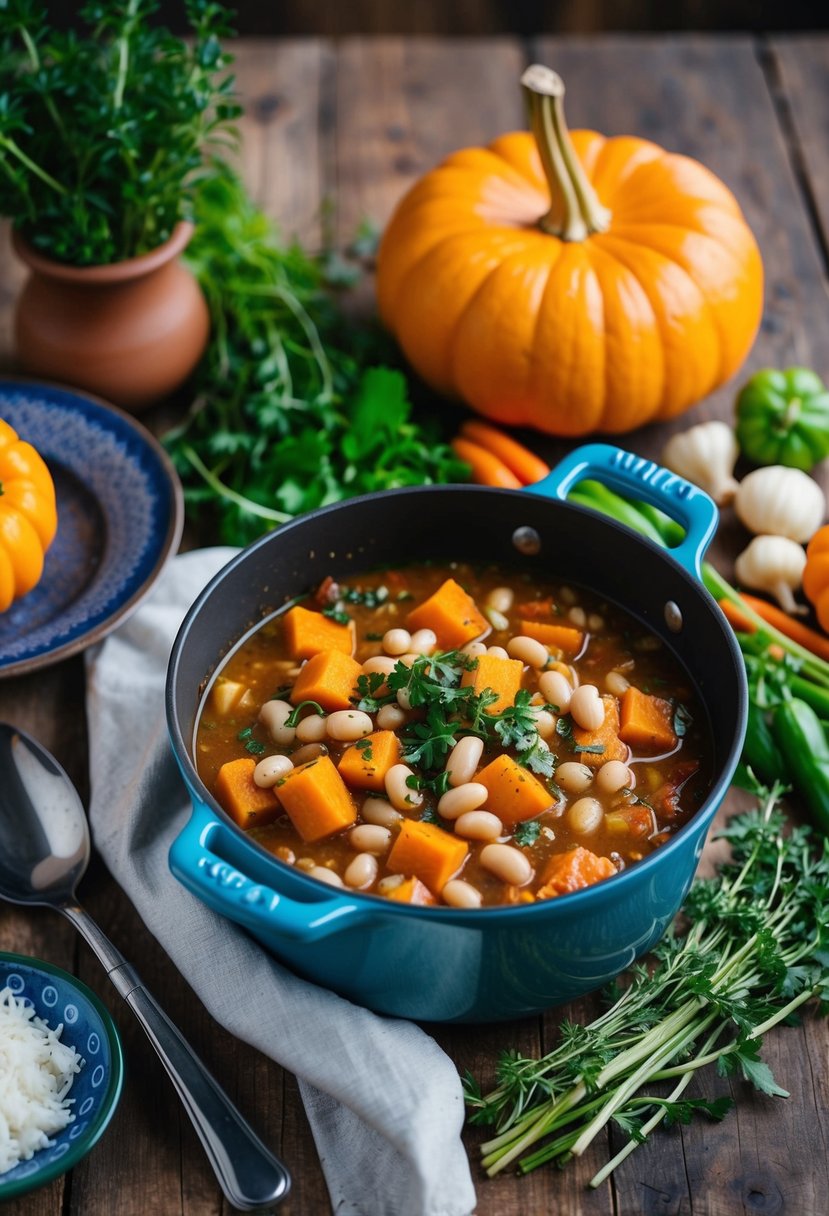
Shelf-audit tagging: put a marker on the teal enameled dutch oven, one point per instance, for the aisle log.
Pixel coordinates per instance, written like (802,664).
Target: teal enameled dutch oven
(447,964)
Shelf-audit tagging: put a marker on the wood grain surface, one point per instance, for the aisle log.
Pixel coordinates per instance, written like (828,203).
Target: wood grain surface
(332,136)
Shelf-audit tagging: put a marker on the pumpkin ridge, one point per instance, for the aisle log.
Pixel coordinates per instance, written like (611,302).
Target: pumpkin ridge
(660,307)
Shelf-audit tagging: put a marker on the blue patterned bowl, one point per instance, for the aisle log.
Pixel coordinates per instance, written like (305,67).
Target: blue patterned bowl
(119,520)
(87,1026)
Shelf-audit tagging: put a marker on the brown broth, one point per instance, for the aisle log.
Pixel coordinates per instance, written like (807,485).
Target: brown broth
(668,790)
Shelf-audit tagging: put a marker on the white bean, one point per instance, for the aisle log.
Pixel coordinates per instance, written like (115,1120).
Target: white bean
(312,729)
(616,683)
(370,838)
(528,650)
(501,599)
(578,617)
(585,815)
(388,884)
(423,641)
(390,717)
(555,689)
(397,641)
(272,715)
(479,825)
(567,595)
(378,811)
(409,658)
(309,752)
(403,699)
(587,707)
(460,801)
(573,777)
(496,619)
(506,863)
(545,723)
(460,894)
(613,776)
(346,725)
(325,875)
(379,663)
(595,623)
(474,649)
(497,652)
(402,796)
(269,770)
(464,759)
(361,872)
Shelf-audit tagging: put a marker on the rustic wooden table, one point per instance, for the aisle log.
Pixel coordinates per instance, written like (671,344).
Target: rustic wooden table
(333,135)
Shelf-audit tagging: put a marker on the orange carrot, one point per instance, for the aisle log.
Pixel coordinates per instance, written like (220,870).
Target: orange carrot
(798,632)
(487,470)
(526,466)
(736,618)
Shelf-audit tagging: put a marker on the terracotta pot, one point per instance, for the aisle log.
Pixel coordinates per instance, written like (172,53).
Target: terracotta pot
(130,332)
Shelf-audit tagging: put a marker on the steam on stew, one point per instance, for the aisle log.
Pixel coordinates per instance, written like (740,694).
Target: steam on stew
(455,736)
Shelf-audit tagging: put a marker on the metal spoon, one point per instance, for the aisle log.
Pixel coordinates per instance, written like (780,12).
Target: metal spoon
(44,851)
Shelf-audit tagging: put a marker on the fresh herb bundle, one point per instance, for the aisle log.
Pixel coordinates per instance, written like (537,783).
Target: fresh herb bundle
(292,411)
(754,952)
(102,135)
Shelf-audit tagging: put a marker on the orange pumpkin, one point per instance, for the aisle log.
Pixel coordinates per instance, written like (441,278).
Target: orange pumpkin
(570,282)
(28,516)
(816,575)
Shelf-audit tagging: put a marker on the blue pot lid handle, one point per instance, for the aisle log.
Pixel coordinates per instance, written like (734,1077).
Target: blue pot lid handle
(637,477)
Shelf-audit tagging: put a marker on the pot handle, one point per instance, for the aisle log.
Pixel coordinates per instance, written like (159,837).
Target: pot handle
(637,477)
(200,860)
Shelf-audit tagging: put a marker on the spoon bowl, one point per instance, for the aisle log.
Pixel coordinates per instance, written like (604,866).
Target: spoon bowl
(44,851)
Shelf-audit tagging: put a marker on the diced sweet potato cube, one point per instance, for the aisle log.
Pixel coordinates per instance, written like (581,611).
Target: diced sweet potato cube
(514,793)
(365,764)
(451,613)
(501,675)
(317,802)
(573,870)
(241,797)
(307,633)
(555,637)
(606,738)
(412,891)
(427,852)
(329,678)
(647,722)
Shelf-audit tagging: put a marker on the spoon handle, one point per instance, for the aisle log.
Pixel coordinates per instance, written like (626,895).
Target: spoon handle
(250,1176)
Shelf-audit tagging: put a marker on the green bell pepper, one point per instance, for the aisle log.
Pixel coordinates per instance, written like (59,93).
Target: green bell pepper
(783,418)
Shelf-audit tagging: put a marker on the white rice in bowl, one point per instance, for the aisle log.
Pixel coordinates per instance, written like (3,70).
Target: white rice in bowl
(36,1074)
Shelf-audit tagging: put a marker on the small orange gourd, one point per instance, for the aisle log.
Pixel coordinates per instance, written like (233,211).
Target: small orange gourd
(568,281)
(816,575)
(28,515)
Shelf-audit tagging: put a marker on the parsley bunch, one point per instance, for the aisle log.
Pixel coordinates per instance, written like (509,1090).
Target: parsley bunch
(294,409)
(102,134)
(755,952)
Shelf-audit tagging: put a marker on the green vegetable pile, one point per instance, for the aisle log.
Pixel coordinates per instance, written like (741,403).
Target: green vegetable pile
(103,133)
(293,410)
(754,952)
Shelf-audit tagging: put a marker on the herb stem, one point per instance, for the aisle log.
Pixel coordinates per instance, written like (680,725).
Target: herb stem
(10,145)
(254,508)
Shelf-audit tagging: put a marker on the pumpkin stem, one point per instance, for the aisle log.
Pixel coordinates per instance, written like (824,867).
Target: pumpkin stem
(575,211)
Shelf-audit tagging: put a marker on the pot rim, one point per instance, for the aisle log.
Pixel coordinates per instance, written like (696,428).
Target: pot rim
(110,273)
(599,892)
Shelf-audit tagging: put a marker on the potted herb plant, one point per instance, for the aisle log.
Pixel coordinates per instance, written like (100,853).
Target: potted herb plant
(103,135)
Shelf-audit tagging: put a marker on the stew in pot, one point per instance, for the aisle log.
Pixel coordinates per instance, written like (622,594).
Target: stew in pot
(455,735)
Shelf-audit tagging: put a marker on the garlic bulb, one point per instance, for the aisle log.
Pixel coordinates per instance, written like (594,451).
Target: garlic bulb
(780,502)
(705,454)
(773,564)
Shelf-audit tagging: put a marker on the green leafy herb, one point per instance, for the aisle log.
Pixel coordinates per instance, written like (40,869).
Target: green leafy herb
(102,133)
(336,614)
(245,733)
(292,410)
(527,833)
(594,749)
(753,948)
(293,716)
(364,747)
(254,747)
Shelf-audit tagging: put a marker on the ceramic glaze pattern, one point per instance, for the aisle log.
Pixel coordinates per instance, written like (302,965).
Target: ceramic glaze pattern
(119,519)
(59,998)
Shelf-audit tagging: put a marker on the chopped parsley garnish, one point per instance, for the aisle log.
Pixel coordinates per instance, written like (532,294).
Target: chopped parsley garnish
(245,734)
(336,614)
(293,717)
(370,598)
(364,748)
(527,833)
(374,637)
(254,747)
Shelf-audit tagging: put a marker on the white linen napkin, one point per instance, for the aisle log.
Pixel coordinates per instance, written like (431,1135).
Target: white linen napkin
(388,1134)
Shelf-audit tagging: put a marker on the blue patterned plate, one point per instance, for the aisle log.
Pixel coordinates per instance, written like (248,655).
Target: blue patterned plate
(87,1026)
(119,520)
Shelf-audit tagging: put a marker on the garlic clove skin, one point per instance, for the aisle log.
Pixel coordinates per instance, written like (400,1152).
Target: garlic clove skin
(779,501)
(705,454)
(773,564)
